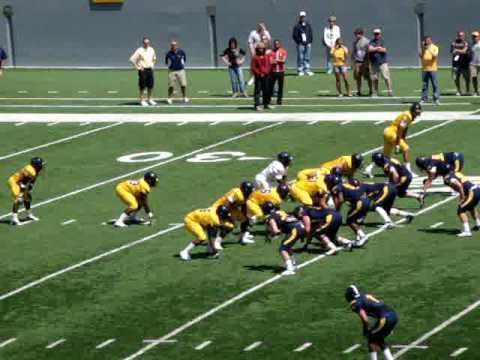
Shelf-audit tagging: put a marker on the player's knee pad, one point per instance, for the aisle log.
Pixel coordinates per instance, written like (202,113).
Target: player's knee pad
(286,248)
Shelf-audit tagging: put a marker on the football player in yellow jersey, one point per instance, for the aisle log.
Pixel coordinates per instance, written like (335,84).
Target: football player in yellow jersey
(259,197)
(235,200)
(346,165)
(310,192)
(134,194)
(203,224)
(394,137)
(312,173)
(21,184)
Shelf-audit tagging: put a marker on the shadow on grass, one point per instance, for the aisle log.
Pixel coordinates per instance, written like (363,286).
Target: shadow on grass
(440,231)
(265,268)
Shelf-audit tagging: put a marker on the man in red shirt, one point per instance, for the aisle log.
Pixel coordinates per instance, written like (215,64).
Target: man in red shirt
(261,68)
(278,57)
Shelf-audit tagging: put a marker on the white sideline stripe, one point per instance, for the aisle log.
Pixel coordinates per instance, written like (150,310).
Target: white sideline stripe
(436,225)
(351,349)
(379,122)
(6,342)
(153,166)
(458,352)
(105,343)
(71,221)
(323,92)
(85,123)
(53,123)
(83,92)
(112,91)
(203,345)
(20,124)
(203,91)
(214,123)
(293,91)
(346,122)
(253,346)
(55,343)
(159,341)
(313,122)
(261,285)
(59,141)
(150,123)
(87,261)
(52,91)
(22,91)
(437,329)
(421,347)
(182,123)
(303,347)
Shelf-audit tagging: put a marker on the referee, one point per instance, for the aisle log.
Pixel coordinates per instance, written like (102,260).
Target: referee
(144,59)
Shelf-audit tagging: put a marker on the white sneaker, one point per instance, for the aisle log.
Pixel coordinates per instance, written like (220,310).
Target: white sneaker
(120,224)
(186,100)
(465,234)
(33,217)
(14,222)
(144,103)
(301,73)
(152,102)
(310,73)
(185,256)
(169,101)
(288,272)
(251,81)
(458,94)
(246,240)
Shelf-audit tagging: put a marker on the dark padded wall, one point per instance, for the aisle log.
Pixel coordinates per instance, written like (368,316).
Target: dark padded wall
(72,33)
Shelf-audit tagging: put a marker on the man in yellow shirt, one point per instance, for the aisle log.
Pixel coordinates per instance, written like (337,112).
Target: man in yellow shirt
(203,224)
(21,184)
(310,192)
(429,57)
(394,137)
(134,194)
(339,56)
(346,165)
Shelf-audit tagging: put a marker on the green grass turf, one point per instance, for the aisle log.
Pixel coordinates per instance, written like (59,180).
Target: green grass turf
(98,83)
(145,292)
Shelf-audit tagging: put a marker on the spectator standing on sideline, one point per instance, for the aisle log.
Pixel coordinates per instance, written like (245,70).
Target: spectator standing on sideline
(234,57)
(330,34)
(377,55)
(360,62)
(429,56)
(3,57)
(278,59)
(460,62)
(144,59)
(175,59)
(339,58)
(303,37)
(255,38)
(261,68)
(475,61)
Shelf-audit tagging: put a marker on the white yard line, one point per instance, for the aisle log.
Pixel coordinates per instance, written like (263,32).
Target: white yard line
(22,91)
(105,343)
(214,123)
(52,91)
(85,123)
(87,261)
(59,141)
(312,122)
(203,91)
(150,123)
(346,122)
(253,346)
(458,352)
(20,124)
(83,91)
(182,123)
(303,347)
(438,328)
(203,345)
(112,92)
(436,225)
(351,349)
(153,166)
(71,221)
(261,285)
(293,91)
(7,342)
(53,123)
(420,347)
(379,122)
(55,343)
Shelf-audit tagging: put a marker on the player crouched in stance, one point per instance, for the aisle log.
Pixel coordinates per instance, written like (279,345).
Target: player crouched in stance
(397,174)
(439,165)
(365,305)
(134,194)
(345,165)
(275,173)
(279,222)
(236,201)
(322,224)
(469,199)
(204,225)
(21,184)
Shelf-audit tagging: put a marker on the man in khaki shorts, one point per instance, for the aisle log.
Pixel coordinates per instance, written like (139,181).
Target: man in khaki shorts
(377,54)
(361,68)
(475,61)
(175,60)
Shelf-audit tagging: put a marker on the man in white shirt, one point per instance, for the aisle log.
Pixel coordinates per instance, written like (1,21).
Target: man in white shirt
(330,35)
(475,61)
(275,173)
(144,59)
(254,38)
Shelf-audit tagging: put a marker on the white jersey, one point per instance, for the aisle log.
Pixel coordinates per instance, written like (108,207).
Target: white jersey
(270,176)
(330,35)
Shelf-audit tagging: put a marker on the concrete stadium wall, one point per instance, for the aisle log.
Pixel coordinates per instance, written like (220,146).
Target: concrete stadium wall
(73,33)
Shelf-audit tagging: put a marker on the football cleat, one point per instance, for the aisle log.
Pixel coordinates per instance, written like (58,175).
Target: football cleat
(409,218)
(14,222)
(120,224)
(32,217)
(465,234)
(185,256)
(217,244)
(288,272)
(476,228)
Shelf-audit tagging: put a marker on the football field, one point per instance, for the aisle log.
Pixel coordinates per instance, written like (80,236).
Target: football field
(73,286)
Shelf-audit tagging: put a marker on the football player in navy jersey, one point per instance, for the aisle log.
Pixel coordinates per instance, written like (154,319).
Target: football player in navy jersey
(439,165)
(367,307)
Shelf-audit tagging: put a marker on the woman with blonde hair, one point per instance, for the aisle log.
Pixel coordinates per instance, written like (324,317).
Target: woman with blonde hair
(339,57)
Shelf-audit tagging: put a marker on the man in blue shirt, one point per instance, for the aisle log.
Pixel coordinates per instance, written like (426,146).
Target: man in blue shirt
(175,60)
(377,54)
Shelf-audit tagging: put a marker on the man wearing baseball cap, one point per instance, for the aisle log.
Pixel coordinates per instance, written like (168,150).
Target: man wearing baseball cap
(303,37)
(475,61)
(377,54)
(330,35)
